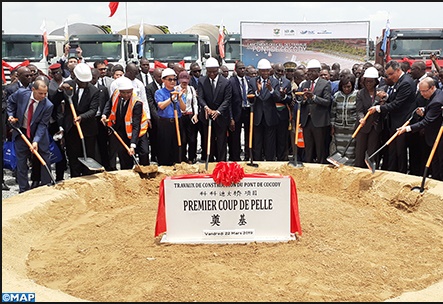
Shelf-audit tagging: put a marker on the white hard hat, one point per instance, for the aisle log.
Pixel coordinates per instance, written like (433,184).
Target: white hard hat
(371,72)
(124,83)
(313,64)
(212,63)
(264,64)
(82,72)
(168,72)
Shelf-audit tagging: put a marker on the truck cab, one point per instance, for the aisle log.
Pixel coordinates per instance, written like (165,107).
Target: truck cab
(114,48)
(17,48)
(411,44)
(232,51)
(176,48)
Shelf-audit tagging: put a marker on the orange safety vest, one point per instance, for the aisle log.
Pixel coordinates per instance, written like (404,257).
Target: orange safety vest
(128,117)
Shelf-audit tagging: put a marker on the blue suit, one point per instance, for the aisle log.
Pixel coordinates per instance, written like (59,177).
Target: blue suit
(17,105)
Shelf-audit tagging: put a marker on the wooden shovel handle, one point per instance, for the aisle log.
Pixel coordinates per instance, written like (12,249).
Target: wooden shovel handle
(177,128)
(26,140)
(80,132)
(396,133)
(251,126)
(437,140)
(361,124)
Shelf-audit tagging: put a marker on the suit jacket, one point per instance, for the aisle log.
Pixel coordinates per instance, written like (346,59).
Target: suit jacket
(194,82)
(17,104)
(87,108)
(150,93)
(318,106)
(432,120)
(220,100)
(264,103)
(364,102)
(104,99)
(401,102)
(141,75)
(237,98)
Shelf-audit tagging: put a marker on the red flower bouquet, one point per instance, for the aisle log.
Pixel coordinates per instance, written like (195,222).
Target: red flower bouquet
(228,173)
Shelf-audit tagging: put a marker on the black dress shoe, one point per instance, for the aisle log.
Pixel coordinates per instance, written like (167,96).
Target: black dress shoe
(5,187)
(35,184)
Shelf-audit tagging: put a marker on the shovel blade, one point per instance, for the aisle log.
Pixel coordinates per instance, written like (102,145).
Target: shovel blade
(370,163)
(91,163)
(337,159)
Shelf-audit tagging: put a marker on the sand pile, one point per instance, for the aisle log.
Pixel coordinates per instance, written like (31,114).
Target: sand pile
(366,237)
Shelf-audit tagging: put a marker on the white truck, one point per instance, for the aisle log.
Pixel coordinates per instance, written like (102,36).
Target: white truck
(175,48)
(17,48)
(115,48)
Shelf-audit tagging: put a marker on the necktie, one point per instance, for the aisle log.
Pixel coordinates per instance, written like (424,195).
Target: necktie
(243,86)
(146,80)
(30,113)
(213,85)
(312,86)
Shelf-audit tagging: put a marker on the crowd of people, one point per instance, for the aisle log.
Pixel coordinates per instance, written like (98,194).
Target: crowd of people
(119,115)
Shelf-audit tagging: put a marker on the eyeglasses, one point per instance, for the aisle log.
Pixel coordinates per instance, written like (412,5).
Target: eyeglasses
(56,72)
(197,71)
(424,91)
(103,69)
(171,79)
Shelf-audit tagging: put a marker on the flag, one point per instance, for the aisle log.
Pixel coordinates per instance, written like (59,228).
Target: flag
(221,39)
(182,63)
(385,37)
(141,40)
(113,7)
(45,39)
(66,31)
(158,64)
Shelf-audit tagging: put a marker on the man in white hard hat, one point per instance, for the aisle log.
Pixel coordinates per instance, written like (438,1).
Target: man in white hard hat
(85,99)
(127,117)
(214,97)
(267,94)
(315,113)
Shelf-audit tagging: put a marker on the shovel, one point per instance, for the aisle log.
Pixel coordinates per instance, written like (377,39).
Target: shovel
(338,159)
(35,152)
(368,161)
(89,162)
(208,145)
(137,168)
(177,128)
(251,128)
(294,162)
(428,164)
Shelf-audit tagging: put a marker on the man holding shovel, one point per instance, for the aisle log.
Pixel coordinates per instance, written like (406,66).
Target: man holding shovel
(130,121)
(432,122)
(30,112)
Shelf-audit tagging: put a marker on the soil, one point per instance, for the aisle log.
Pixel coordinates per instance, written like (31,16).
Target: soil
(366,237)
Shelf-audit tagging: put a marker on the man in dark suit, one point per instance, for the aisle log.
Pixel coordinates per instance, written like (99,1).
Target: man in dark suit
(267,94)
(399,107)
(214,97)
(239,113)
(432,122)
(144,75)
(418,150)
(30,110)
(151,88)
(315,114)
(285,89)
(102,130)
(86,99)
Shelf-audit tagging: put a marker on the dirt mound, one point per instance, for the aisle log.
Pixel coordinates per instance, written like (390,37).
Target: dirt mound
(366,237)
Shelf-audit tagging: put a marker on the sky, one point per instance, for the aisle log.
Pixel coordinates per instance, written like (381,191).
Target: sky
(28,17)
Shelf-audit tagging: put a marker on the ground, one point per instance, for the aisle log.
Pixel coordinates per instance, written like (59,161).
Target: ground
(365,237)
